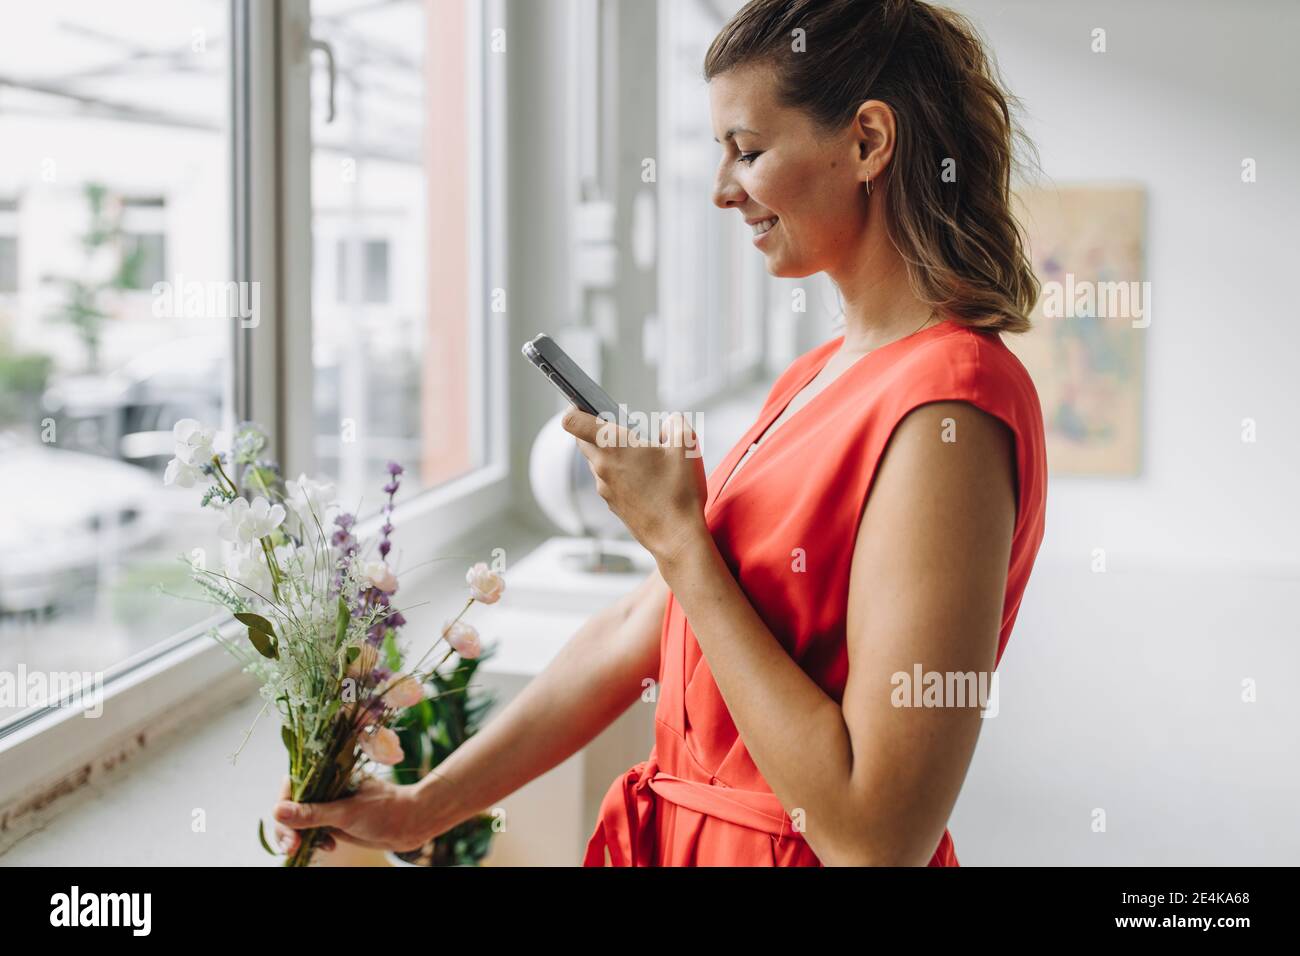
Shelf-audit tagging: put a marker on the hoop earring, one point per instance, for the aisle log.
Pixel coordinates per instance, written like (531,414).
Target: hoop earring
(868,187)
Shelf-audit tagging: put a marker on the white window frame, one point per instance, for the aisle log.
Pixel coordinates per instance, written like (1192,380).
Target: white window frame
(52,750)
(9,230)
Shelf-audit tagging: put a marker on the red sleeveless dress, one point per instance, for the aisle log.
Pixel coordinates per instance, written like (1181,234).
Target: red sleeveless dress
(699,800)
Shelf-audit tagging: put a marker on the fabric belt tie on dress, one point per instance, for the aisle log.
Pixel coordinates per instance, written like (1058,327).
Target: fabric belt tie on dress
(630,834)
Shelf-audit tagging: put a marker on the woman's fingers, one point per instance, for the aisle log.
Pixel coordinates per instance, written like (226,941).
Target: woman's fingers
(286,838)
(306,816)
(580,424)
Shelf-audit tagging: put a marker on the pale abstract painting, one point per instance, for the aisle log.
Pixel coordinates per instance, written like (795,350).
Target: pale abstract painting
(1086,352)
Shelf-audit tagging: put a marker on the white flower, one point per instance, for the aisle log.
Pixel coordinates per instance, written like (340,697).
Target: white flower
(248,567)
(262,518)
(233,516)
(484,584)
(180,473)
(245,523)
(301,561)
(193,442)
(381,576)
(463,639)
(308,498)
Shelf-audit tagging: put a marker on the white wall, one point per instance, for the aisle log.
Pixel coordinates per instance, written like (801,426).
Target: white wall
(1184,92)
(1123,691)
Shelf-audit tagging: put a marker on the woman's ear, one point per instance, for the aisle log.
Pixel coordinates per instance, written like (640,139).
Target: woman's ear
(873,131)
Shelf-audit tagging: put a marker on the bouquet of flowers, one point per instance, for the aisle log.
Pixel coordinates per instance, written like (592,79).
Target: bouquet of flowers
(316,604)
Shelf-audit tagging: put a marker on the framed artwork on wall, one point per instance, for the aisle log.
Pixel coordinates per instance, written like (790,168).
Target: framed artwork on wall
(1086,352)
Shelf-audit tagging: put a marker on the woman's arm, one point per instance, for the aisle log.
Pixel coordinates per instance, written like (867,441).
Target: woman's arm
(598,674)
(595,677)
(875,783)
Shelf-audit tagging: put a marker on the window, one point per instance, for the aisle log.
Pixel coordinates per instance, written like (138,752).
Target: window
(713,288)
(102,114)
(8,245)
(374,271)
(144,243)
(184,185)
(399,332)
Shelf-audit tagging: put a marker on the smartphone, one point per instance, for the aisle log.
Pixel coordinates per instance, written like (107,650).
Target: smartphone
(576,385)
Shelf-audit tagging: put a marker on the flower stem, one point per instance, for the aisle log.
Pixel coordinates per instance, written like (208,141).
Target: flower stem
(306,847)
(216,463)
(276,573)
(415,668)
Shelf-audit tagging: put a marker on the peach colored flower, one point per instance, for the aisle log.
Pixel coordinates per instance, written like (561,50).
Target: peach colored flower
(484,583)
(381,745)
(407,692)
(463,639)
(365,662)
(381,576)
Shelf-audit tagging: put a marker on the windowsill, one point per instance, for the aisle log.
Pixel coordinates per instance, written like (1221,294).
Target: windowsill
(145,814)
(139,802)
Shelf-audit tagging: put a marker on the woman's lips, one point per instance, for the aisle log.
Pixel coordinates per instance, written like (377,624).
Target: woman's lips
(766,226)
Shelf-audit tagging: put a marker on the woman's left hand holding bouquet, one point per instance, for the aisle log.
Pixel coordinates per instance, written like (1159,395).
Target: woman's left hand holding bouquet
(380,814)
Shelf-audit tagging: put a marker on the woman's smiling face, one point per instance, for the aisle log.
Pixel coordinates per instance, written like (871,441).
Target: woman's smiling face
(801,190)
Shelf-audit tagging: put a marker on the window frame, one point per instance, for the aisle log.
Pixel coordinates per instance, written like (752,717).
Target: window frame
(10,205)
(43,751)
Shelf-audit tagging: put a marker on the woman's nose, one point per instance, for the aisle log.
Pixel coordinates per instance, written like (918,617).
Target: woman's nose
(726,191)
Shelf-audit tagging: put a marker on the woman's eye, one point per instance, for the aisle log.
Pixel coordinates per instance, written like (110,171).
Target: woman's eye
(748,158)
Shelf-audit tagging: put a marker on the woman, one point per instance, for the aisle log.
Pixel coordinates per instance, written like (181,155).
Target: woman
(878,521)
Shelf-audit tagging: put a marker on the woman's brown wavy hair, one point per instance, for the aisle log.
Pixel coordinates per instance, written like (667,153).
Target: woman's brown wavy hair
(964,249)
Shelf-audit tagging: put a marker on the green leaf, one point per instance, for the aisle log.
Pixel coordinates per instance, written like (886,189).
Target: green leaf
(346,655)
(264,643)
(425,711)
(261,836)
(257,621)
(290,741)
(341,625)
(392,653)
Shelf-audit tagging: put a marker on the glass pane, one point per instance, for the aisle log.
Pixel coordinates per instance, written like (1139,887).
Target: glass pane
(114,176)
(394,221)
(712,286)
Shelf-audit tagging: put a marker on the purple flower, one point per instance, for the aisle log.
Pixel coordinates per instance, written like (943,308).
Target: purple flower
(390,489)
(342,538)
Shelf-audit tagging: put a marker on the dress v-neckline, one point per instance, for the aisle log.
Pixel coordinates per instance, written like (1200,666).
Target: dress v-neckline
(763,423)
